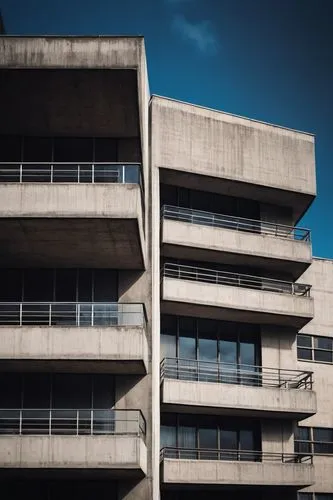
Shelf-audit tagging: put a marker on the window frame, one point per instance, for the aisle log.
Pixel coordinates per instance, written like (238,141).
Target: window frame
(313,349)
(312,442)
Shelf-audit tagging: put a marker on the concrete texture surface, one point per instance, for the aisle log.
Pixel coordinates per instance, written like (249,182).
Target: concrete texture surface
(72,225)
(87,452)
(231,399)
(213,244)
(113,349)
(223,472)
(251,305)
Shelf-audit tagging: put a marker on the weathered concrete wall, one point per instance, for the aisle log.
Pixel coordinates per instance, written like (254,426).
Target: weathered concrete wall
(203,141)
(281,308)
(90,452)
(253,400)
(236,473)
(240,244)
(99,344)
(71,52)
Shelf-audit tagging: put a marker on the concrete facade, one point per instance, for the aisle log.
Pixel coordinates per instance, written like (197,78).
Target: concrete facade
(228,383)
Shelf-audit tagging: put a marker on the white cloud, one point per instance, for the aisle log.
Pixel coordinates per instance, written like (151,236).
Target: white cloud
(201,34)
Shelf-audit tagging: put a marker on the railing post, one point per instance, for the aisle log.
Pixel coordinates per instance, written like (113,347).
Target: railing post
(91,421)
(20,313)
(92,314)
(92,173)
(50,314)
(77,422)
(20,422)
(51,179)
(78,314)
(123,174)
(21,173)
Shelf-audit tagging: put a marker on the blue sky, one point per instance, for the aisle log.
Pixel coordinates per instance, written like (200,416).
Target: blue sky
(266,59)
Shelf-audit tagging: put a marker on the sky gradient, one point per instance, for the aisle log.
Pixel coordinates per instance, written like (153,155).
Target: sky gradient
(271,60)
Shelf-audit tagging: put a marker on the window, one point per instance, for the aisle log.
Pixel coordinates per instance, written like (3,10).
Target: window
(227,352)
(316,440)
(315,348)
(212,437)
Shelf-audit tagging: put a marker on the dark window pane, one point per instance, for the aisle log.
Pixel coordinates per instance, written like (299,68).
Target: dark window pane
(304,353)
(168,324)
(168,436)
(323,343)
(12,291)
(105,285)
(304,340)
(169,195)
(85,285)
(103,391)
(229,444)
(11,390)
(322,496)
(106,150)
(65,285)
(37,149)
(323,448)
(187,437)
(72,391)
(302,433)
(73,149)
(36,390)
(208,440)
(322,434)
(324,356)
(246,439)
(10,148)
(303,447)
(38,285)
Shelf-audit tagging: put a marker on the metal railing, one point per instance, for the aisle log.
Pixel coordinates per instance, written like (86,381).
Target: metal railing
(71,422)
(234,455)
(68,172)
(228,373)
(236,223)
(190,273)
(71,314)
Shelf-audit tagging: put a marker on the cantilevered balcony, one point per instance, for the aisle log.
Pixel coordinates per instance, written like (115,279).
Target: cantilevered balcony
(108,441)
(72,214)
(195,386)
(197,291)
(94,337)
(210,237)
(181,466)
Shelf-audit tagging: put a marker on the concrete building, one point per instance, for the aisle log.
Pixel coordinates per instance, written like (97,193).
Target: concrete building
(164,329)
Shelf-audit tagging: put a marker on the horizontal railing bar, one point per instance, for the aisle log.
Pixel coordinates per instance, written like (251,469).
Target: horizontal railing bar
(280,370)
(182,271)
(233,455)
(248,375)
(73,421)
(73,313)
(211,216)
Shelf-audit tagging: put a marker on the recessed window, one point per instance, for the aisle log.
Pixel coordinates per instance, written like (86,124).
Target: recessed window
(315,348)
(316,440)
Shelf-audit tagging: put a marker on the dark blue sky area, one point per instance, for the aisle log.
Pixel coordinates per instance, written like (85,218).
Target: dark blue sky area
(266,59)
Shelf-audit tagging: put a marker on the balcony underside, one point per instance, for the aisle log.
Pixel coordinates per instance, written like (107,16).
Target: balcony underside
(85,242)
(237,400)
(222,302)
(226,473)
(119,350)
(104,456)
(196,242)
